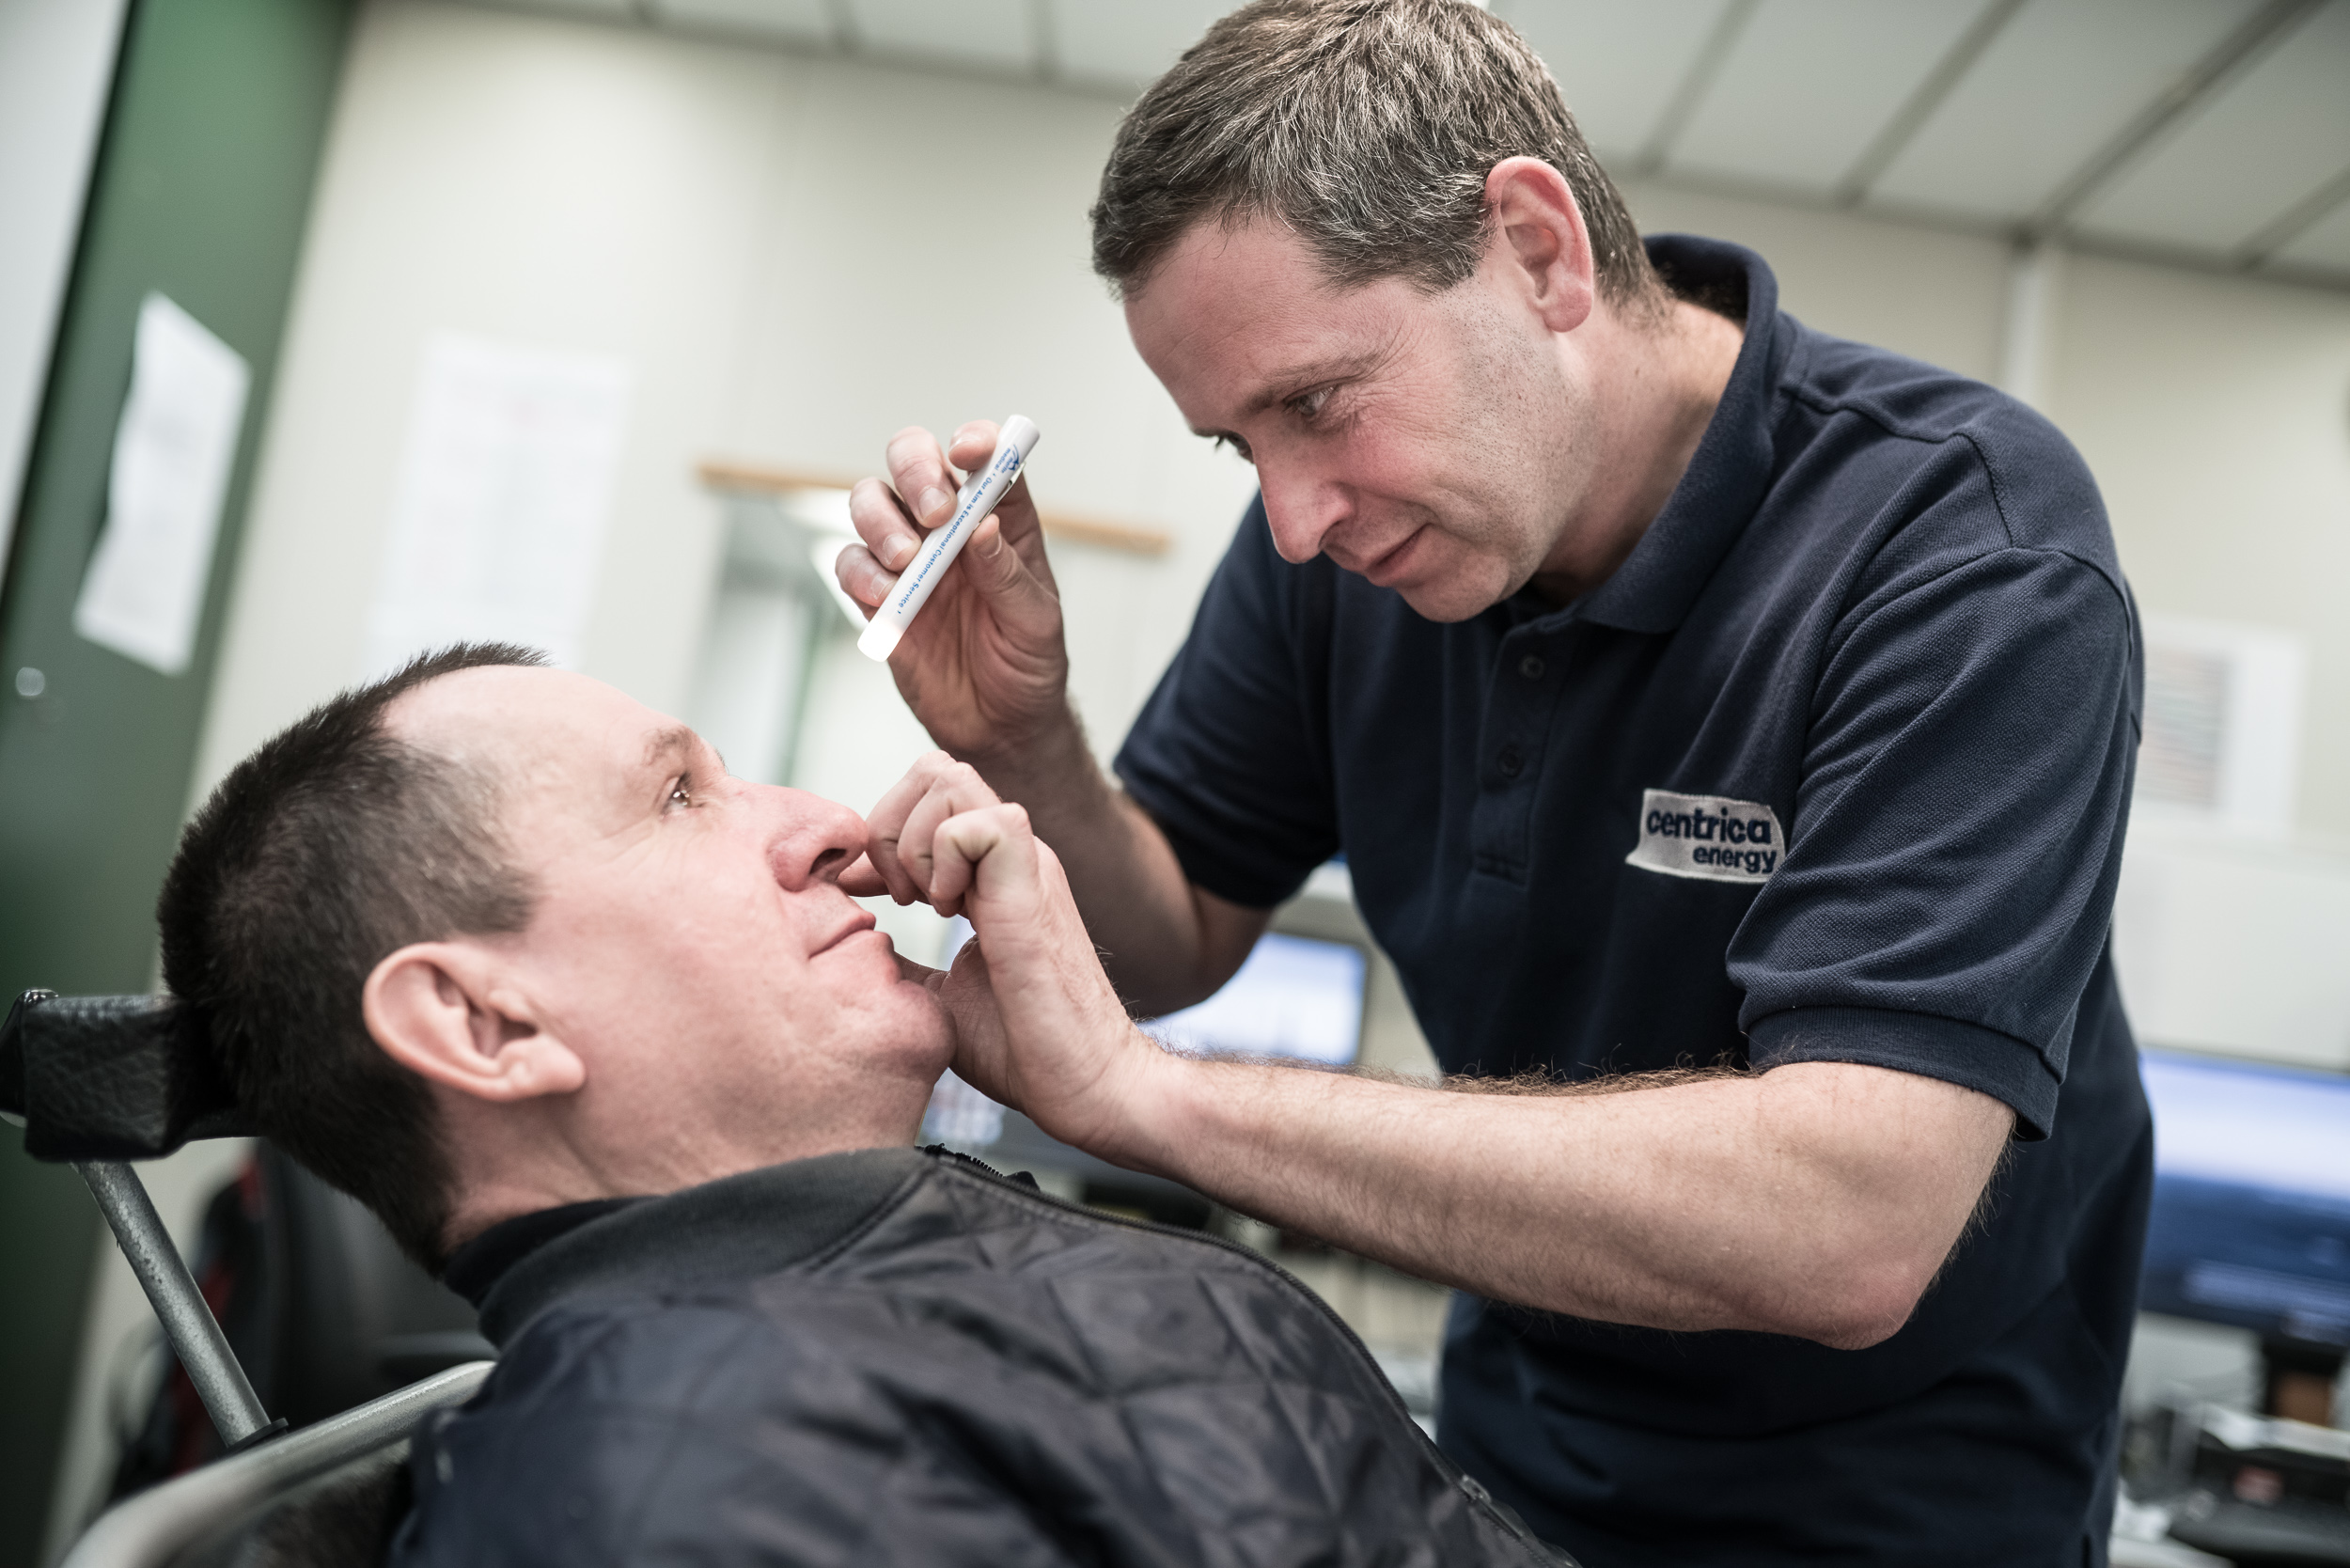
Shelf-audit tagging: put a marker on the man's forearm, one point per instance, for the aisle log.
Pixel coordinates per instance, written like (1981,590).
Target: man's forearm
(1817,1198)
(1743,1201)
(1164,944)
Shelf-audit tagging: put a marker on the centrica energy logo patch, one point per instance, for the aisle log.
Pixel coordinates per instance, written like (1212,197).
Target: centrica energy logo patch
(1707,835)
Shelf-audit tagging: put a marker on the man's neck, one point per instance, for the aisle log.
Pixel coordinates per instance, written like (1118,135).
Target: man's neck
(523,1163)
(1656,386)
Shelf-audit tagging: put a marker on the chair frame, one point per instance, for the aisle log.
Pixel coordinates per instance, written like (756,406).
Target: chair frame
(97,1081)
(152,1528)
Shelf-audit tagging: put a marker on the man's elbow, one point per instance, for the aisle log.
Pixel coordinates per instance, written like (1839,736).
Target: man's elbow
(1856,1298)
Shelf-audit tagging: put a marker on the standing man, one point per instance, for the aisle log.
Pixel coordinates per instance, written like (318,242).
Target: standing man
(1730,730)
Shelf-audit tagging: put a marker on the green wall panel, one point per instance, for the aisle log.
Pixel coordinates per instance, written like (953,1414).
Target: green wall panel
(200,192)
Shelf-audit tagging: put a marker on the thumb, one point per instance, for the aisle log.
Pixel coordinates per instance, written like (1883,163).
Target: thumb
(1003,579)
(861,880)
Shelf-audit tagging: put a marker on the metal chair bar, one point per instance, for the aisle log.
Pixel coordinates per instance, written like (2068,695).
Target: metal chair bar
(188,1323)
(152,1529)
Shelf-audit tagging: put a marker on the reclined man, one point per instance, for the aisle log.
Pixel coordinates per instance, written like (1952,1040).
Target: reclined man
(599,1034)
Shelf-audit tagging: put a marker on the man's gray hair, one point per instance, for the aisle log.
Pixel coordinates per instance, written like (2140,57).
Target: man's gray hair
(1367,128)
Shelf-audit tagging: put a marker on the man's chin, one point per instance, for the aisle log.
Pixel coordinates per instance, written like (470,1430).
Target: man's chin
(1447,600)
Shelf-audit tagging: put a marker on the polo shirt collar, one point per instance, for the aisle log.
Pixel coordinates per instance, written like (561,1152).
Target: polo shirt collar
(1654,587)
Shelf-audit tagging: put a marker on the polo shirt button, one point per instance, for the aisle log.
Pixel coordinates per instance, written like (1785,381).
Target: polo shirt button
(1531,666)
(1512,761)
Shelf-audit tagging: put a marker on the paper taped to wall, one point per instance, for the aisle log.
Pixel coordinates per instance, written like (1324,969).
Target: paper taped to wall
(499,508)
(177,441)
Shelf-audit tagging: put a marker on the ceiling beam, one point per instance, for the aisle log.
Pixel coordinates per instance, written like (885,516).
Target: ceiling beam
(1045,39)
(1956,63)
(2333,280)
(2291,224)
(842,14)
(1694,84)
(2194,85)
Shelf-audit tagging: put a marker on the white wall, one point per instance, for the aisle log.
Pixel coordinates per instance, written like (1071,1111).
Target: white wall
(1935,296)
(56,63)
(797,256)
(561,187)
(2216,414)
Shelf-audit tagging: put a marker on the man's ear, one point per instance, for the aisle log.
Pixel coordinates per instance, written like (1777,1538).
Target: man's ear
(1537,230)
(440,1010)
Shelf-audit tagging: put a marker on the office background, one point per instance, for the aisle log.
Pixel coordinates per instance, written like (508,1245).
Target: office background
(801,224)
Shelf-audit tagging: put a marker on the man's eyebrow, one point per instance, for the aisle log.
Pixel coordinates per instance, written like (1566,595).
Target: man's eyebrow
(675,739)
(1286,382)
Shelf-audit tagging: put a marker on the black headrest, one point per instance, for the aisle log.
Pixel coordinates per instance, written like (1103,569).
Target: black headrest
(111,1077)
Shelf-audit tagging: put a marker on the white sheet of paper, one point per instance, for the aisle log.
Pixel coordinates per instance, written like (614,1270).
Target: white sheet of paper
(499,508)
(144,593)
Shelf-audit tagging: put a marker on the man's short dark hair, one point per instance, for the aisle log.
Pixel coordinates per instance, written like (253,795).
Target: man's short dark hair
(1366,127)
(332,846)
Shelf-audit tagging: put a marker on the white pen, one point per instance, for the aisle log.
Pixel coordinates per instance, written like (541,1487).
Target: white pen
(978,498)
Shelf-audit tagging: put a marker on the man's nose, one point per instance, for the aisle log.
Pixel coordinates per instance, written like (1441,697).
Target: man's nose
(811,839)
(1302,507)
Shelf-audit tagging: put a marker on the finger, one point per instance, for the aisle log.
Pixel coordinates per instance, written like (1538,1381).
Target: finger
(921,974)
(919,472)
(1004,578)
(996,835)
(861,578)
(881,521)
(954,789)
(974,444)
(885,825)
(861,880)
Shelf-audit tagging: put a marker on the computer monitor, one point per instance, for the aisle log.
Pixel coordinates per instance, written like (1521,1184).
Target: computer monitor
(1297,996)
(2252,1212)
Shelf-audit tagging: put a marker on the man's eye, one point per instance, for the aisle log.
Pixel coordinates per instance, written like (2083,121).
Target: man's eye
(1307,405)
(1234,444)
(682,792)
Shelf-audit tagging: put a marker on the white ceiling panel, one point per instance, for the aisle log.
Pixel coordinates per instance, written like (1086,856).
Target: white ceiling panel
(1810,82)
(2061,79)
(992,33)
(786,20)
(2272,137)
(1126,43)
(1618,64)
(2325,244)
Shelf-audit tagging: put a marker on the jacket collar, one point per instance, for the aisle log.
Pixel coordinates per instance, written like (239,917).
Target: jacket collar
(737,1227)
(1654,587)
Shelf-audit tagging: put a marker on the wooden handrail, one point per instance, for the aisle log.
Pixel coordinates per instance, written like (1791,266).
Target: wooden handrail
(751,478)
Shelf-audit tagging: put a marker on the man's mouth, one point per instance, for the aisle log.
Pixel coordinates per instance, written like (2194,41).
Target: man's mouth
(858,922)
(1389,566)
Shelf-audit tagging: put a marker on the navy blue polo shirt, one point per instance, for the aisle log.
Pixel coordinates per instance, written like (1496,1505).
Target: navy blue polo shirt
(1834,768)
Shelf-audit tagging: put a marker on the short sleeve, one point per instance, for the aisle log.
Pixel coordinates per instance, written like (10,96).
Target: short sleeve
(1231,756)
(1952,865)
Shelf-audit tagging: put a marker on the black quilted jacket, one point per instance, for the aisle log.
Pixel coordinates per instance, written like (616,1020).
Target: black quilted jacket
(899,1356)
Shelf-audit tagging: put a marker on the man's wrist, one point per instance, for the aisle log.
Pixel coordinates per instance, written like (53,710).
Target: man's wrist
(1041,768)
(1069,798)
(1153,1120)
